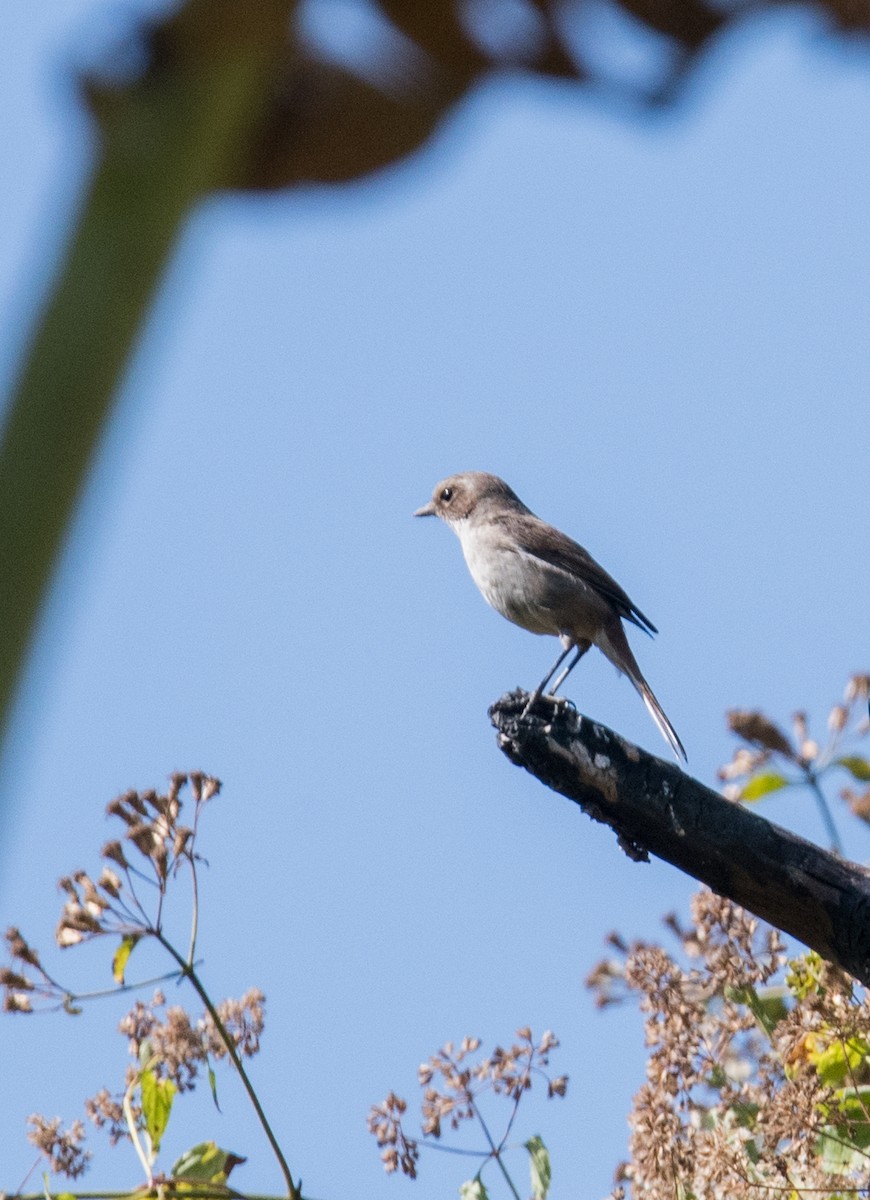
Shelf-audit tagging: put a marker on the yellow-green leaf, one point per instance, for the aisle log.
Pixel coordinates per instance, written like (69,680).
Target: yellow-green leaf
(205,1163)
(473,1189)
(539,1166)
(858,767)
(763,785)
(122,954)
(157,1097)
(840,1060)
(767,1006)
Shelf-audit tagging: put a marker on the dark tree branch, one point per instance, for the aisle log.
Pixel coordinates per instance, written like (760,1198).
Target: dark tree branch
(656,808)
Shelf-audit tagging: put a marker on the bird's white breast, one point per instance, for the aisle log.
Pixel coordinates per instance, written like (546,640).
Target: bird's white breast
(507,578)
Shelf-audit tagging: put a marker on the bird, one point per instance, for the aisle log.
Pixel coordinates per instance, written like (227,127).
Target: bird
(542,580)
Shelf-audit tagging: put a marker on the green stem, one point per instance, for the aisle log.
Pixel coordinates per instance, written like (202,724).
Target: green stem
(821,800)
(187,970)
(496,1151)
(182,131)
(130,1118)
(194,917)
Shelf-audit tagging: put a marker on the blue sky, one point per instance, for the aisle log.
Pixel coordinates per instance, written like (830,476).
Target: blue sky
(656,331)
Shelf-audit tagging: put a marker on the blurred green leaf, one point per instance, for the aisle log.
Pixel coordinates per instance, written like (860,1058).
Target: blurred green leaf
(763,785)
(157,1097)
(205,1163)
(768,1006)
(804,974)
(840,1060)
(858,767)
(473,1189)
(539,1166)
(122,954)
(843,1144)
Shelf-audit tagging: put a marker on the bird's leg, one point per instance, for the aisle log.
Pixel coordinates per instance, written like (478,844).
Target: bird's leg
(582,647)
(539,690)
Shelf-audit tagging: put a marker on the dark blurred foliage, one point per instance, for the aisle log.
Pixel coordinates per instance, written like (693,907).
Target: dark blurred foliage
(265,95)
(335,115)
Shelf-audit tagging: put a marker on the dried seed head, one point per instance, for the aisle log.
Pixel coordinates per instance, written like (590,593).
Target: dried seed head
(114,852)
(63,1148)
(754,726)
(20,949)
(110,882)
(838,718)
(809,750)
(800,726)
(17,1002)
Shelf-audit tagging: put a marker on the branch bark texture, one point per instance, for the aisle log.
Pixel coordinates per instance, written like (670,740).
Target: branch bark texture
(656,809)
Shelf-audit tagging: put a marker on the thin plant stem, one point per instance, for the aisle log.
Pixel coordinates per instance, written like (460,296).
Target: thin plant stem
(813,784)
(194,917)
(134,1132)
(496,1151)
(188,971)
(510,1123)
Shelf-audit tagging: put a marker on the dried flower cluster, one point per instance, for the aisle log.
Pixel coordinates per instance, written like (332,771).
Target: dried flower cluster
(756,1089)
(175,1047)
(506,1072)
(63,1148)
(111,904)
(168,1047)
(750,774)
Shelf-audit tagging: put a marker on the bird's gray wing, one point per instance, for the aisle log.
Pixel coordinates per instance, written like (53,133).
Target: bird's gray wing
(551,546)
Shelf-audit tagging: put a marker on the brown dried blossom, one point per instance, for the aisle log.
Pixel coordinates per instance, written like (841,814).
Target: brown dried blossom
(242,1020)
(748,776)
(507,1072)
(385,1122)
(107,1113)
(20,987)
(756,727)
(175,1047)
(109,905)
(754,1087)
(63,1148)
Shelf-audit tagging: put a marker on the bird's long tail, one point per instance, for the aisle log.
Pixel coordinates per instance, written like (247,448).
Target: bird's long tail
(660,717)
(615,645)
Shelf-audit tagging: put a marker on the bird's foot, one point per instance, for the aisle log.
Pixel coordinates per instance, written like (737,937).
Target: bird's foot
(550,699)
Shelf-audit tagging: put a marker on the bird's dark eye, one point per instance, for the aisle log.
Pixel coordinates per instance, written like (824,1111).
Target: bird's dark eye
(446,495)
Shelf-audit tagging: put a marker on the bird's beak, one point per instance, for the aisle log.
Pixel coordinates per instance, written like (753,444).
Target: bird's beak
(428,510)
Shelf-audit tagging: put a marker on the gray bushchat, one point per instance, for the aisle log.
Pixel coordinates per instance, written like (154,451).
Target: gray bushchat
(543,581)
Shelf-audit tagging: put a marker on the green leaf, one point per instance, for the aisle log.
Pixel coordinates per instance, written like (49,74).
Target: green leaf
(122,954)
(205,1163)
(473,1189)
(746,1115)
(858,767)
(853,1105)
(539,1166)
(768,1006)
(212,1083)
(804,975)
(840,1060)
(838,1153)
(763,785)
(157,1097)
